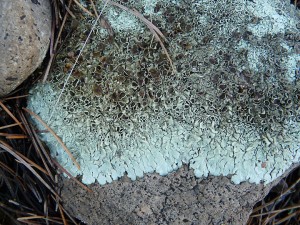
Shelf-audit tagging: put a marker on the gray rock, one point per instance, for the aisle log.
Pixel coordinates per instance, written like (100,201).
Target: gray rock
(25,30)
(178,198)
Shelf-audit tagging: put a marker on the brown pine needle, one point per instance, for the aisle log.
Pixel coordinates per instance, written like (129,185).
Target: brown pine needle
(52,36)
(13,136)
(32,164)
(153,29)
(62,214)
(83,8)
(275,199)
(94,8)
(72,177)
(46,210)
(13,173)
(53,52)
(56,13)
(54,134)
(18,204)
(277,211)
(7,168)
(71,218)
(25,218)
(69,10)
(16,136)
(11,151)
(287,218)
(8,126)
(16,97)
(37,144)
(12,116)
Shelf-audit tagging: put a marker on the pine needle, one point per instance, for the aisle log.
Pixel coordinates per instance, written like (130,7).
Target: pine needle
(37,145)
(12,116)
(16,136)
(32,164)
(72,177)
(54,134)
(13,136)
(8,126)
(15,97)
(53,51)
(62,215)
(83,8)
(94,8)
(27,219)
(153,29)
(11,151)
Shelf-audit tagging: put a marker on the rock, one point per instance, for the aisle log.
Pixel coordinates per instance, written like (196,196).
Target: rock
(178,198)
(228,111)
(25,31)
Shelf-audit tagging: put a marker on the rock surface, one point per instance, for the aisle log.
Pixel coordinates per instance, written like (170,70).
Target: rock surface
(25,31)
(178,198)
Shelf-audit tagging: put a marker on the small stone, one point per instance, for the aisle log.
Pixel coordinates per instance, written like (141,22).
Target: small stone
(25,30)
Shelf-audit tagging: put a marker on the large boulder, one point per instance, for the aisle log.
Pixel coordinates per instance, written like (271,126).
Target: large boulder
(231,110)
(25,29)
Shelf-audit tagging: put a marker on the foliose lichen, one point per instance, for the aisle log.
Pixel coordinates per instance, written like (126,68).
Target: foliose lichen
(231,108)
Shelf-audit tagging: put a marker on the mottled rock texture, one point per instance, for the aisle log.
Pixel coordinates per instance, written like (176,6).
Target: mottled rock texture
(25,28)
(178,198)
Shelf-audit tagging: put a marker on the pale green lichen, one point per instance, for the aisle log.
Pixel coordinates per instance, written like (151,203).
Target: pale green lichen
(232,108)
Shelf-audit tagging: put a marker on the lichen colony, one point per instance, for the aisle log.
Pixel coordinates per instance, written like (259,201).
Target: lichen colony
(231,107)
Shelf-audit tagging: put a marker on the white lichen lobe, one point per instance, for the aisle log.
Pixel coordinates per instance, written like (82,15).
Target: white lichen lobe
(232,107)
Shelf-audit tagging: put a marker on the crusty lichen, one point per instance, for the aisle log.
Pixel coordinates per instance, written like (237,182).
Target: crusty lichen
(232,107)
